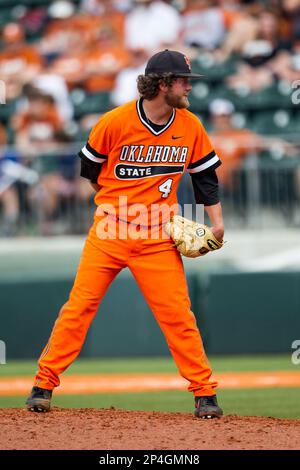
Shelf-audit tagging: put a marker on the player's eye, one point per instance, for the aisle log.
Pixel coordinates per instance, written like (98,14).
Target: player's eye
(185,81)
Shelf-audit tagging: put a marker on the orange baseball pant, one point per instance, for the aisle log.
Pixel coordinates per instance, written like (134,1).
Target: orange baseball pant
(158,270)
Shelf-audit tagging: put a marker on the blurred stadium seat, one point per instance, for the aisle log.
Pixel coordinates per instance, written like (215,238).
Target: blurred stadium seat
(88,103)
(211,69)
(5,16)
(277,122)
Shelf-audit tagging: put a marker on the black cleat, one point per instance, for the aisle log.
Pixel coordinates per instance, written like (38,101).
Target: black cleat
(207,407)
(39,400)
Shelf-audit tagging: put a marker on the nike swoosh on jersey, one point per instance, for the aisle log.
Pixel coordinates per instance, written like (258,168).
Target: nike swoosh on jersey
(174,137)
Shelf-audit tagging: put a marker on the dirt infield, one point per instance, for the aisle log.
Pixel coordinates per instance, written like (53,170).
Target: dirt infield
(112,429)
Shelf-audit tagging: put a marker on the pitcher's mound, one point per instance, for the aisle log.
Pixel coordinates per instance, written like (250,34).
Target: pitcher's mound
(118,429)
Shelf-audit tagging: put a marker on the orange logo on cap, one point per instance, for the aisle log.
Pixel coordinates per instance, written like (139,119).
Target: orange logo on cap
(188,62)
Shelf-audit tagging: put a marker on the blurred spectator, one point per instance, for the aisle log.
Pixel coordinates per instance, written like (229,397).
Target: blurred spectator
(71,33)
(231,144)
(93,68)
(9,201)
(242,28)
(152,25)
(14,178)
(125,88)
(286,65)
(203,24)
(35,126)
(110,18)
(44,146)
(59,185)
(99,56)
(67,32)
(55,85)
(103,62)
(70,66)
(19,62)
(289,17)
(254,72)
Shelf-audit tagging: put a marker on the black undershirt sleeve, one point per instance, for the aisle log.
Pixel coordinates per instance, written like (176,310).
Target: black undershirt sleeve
(206,188)
(89,169)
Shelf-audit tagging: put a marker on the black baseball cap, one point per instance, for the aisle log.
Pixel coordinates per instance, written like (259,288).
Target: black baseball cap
(170,62)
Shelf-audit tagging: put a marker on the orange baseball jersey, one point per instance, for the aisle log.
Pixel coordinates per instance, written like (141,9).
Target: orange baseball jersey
(144,164)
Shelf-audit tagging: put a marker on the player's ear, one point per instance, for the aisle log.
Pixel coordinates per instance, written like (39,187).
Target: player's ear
(163,86)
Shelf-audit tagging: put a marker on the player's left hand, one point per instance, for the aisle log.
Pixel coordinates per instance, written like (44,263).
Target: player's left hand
(218,233)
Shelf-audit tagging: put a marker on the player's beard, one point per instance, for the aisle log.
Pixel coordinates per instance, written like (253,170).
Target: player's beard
(175,101)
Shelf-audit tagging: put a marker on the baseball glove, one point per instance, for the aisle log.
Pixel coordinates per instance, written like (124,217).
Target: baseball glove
(192,239)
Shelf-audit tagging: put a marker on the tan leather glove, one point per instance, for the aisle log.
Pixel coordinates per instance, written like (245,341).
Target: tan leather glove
(192,239)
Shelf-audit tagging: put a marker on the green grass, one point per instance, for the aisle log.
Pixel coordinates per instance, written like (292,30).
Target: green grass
(156,365)
(278,403)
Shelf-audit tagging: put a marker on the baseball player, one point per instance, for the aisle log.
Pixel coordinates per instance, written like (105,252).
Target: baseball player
(137,153)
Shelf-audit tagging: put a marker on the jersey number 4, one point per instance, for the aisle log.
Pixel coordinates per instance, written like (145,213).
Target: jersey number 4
(165,187)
